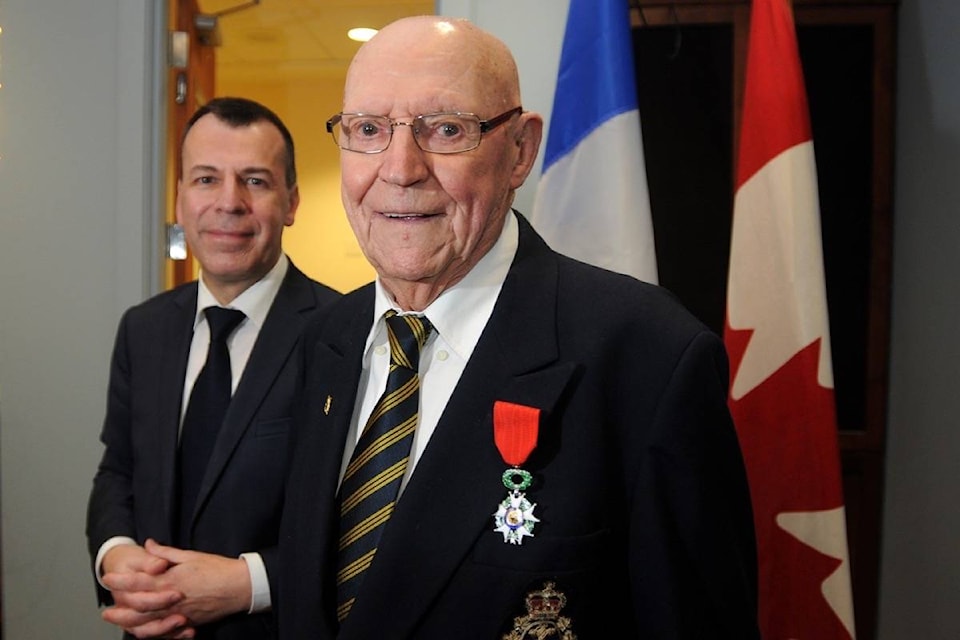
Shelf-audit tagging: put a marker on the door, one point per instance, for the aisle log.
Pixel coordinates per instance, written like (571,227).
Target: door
(190,82)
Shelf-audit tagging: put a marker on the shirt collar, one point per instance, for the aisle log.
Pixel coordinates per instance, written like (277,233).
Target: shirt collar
(256,299)
(461,312)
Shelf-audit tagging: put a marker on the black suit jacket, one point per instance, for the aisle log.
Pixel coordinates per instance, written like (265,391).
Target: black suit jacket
(238,507)
(645,519)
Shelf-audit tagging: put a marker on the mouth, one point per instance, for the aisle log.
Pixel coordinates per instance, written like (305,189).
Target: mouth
(225,235)
(393,215)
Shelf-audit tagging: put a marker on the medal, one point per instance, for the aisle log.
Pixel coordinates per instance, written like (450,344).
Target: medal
(515,429)
(514,517)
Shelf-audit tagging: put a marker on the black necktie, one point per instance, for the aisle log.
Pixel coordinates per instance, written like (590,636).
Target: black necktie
(209,400)
(372,479)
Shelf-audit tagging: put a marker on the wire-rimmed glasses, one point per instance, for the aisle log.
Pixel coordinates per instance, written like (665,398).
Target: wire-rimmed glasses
(433,132)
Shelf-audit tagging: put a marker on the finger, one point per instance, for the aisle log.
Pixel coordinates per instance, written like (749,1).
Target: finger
(169,627)
(134,582)
(147,601)
(154,565)
(166,553)
(130,618)
(131,558)
(186,633)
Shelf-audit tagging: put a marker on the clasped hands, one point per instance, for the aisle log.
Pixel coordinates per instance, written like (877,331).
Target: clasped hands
(165,592)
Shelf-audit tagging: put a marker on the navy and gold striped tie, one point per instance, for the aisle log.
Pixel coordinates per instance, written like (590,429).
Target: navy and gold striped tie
(372,479)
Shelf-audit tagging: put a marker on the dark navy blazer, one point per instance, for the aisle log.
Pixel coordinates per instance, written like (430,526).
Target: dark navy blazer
(638,480)
(238,508)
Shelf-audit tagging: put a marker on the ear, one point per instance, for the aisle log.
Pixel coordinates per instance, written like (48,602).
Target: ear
(294,203)
(527,137)
(178,214)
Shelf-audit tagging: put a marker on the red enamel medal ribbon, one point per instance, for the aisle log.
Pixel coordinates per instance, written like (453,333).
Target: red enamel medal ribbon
(515,429)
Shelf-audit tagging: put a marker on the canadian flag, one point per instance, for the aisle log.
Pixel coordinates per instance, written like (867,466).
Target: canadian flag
(777,334)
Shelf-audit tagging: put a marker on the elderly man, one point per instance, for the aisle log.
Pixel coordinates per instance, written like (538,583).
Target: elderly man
(499,441)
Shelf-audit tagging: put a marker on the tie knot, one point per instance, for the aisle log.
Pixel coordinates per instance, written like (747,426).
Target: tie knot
(222,322)
(407,336)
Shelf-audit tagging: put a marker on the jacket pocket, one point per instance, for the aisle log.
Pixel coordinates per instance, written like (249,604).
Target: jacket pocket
(543,553)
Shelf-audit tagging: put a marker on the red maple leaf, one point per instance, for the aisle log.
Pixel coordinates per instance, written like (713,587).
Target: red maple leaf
(787,430)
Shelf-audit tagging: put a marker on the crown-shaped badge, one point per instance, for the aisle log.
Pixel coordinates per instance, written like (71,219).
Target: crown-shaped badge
(543,617)
(546,603)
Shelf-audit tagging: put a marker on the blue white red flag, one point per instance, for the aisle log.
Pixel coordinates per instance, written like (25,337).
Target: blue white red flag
(592,201)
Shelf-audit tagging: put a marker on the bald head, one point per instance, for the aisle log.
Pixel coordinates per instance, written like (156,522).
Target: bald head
(424,217)
(450,50)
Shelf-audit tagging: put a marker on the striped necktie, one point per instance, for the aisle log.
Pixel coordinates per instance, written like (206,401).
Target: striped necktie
(372,479)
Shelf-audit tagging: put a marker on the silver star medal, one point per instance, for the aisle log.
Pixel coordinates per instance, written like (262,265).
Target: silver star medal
(514,517)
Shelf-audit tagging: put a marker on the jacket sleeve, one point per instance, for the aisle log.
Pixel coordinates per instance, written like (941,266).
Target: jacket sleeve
(699,524)
(110,507)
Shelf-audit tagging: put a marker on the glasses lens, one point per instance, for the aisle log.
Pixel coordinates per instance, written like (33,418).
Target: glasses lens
(366,134)
(447,132)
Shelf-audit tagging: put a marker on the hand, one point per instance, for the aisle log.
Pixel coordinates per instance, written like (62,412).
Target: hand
(196,588)
(130,558)
(213,586)
(142,605)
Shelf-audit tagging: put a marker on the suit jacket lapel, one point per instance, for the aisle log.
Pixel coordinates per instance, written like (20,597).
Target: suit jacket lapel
(335,368)
(176,349)
(280,332)
(456,486)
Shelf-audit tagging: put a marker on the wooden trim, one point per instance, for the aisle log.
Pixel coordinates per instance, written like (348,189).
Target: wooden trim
(200,89)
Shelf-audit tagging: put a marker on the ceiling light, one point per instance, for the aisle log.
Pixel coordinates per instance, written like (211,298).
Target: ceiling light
(361,34)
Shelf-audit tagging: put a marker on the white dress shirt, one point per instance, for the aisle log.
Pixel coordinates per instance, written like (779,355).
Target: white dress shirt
(458,316)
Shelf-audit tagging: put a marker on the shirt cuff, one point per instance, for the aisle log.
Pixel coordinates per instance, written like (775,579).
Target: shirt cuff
(115,541)
(260,585)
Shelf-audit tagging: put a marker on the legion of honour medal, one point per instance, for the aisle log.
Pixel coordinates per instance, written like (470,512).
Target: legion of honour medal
(515,429)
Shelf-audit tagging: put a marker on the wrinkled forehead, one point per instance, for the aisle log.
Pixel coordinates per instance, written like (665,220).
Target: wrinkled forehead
(431,65)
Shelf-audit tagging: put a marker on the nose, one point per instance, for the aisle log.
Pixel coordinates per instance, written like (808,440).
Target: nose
(403,160)
(233,196)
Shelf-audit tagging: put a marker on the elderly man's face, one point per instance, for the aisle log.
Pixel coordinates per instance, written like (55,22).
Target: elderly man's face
(420,216)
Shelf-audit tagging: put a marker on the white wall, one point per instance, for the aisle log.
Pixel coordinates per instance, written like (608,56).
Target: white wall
(74,242)
(77,247)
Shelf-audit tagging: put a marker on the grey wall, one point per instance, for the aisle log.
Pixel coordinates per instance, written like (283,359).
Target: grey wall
(920,581)
(75,246)
(78,244)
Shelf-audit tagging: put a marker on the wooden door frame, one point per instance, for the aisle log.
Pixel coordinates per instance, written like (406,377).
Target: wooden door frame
(187,89)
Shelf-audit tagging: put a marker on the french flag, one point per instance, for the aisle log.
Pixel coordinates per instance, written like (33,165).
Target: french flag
(591,201)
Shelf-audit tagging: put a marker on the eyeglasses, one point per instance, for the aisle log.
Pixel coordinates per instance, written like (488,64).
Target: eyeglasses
(434,132)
